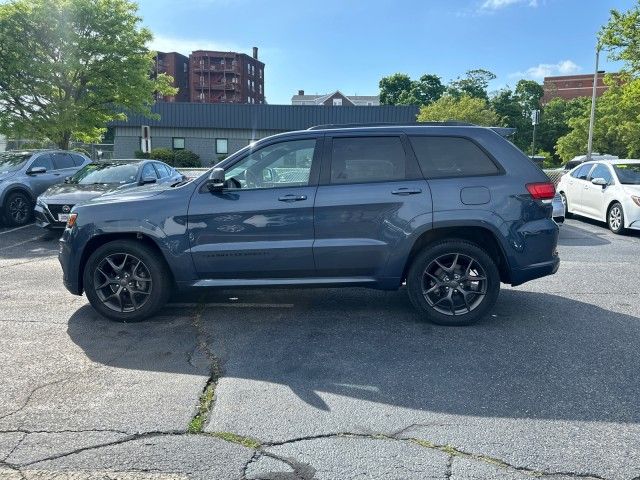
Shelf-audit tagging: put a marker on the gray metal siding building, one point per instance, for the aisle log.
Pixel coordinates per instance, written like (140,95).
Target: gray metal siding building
(215,130)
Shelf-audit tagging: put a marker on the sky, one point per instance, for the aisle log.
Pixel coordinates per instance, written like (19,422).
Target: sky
(349,45)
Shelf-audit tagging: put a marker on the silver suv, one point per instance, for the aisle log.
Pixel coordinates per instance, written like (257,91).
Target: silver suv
(26,174)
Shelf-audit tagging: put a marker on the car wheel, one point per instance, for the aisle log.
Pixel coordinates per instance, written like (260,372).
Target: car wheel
(615,218)
(453,282)
(126,281)
(567,214)
(18,209)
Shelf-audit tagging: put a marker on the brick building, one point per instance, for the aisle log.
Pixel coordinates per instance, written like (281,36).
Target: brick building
(177,66)
(572,86)
(226,77)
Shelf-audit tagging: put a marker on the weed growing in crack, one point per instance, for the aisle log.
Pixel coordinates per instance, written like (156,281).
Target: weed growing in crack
(247,442)
(196,425)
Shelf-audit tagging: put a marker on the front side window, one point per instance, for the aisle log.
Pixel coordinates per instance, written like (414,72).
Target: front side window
(582,172)
(43,161)
(441,157)
(222,146)
(163,170)
(285,164)
(367,159)
(178,143)
(601,171)
(149,171)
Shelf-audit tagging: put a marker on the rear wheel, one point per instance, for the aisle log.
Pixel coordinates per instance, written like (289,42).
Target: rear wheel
(567,214)
(453,282)
(126,281)
(615,218)
(18,209)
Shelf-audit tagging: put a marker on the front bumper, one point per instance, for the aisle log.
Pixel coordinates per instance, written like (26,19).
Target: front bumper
(44,219)
(69,264)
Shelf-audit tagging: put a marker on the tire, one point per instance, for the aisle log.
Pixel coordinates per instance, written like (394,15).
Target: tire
(18,209)
(615,218)
(122,289)
(448,262)
(567,214)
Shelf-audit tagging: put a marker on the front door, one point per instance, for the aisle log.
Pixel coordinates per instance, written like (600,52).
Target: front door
(577,183)
(370,190)
(261,224)
(41,181)
(593,196)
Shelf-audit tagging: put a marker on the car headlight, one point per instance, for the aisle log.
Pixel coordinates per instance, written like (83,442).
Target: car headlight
(72,220)
(636,200)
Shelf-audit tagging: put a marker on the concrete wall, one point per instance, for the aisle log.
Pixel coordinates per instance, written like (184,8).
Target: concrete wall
(200,141)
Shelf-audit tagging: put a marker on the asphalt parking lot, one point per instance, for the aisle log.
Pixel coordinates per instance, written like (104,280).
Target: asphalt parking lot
(324,384)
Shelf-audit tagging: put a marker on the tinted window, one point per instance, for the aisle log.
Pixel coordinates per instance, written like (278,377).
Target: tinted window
(149,171)
(583,172)
(163,171)
(282,164)
(628,173)
(43,161)
(601,171)
(451,157)
(62,160)
(77,159)
(367,159)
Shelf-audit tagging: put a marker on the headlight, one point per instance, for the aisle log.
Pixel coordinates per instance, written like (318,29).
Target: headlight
(72,220)
(636,200)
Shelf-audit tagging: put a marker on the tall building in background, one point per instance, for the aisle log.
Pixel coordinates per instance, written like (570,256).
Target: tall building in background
(572,86)
(177,66)
(226,77)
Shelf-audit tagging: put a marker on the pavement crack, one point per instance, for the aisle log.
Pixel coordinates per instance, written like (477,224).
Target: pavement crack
(18,443)
(207,397)
(449,471)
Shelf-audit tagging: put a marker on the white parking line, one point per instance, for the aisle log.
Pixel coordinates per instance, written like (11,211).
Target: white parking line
(15,229)
(237,305)
(21,243)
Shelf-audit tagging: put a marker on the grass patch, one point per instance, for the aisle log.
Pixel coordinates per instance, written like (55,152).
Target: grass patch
(196,425)
(239,439)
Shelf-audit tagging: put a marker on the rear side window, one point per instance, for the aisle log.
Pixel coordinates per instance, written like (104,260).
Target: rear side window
(441,157)
(63,160)
(367,159)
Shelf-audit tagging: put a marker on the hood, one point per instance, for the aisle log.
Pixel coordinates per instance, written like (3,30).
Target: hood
(74,193)
(632,189)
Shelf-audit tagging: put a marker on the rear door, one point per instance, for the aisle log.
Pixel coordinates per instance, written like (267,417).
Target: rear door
(261,224)
(370,191)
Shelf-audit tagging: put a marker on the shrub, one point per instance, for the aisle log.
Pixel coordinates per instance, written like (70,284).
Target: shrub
(163,154)
(141,154)
(185,158)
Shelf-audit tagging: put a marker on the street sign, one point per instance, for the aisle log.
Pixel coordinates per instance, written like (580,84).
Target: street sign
(535,117)
(145,139)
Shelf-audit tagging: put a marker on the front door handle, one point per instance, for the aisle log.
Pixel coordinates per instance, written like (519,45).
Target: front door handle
(292,198)
(406,191)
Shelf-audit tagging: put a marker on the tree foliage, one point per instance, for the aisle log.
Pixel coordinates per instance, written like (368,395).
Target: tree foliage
(621,37)
(474,84)
(67,67)
(399,89)
(464,108)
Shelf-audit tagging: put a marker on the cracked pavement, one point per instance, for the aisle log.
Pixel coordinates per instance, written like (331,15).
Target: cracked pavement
(324,384)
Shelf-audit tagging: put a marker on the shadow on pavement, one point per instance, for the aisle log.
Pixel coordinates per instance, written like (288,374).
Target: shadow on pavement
(573,236)
(539,356)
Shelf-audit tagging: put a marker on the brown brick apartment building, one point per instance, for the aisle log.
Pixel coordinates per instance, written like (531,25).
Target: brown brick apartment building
(177,66)
(572,86)
(226,77)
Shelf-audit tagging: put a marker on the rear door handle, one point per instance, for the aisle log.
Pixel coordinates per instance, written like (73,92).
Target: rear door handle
(406,191)
(292,198)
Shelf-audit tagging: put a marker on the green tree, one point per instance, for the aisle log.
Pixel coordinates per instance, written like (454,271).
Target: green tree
(67,67)
(474,84)
(464,108)
(555,118)
(399,89)
(621,36)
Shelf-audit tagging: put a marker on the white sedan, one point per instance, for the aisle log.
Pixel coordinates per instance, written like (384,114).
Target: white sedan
(606,190)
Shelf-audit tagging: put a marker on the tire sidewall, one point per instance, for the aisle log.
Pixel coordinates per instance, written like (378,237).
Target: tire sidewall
(159,276)
(424,258)
(621,229)
(7,215)
(567,213)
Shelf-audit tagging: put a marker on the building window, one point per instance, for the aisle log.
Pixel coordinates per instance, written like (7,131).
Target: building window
(178,143)
(260,72)
(222,146)
(184,66)
(337,102)
(260,89)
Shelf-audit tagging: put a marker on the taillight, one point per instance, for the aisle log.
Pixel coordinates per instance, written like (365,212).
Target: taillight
(542,191)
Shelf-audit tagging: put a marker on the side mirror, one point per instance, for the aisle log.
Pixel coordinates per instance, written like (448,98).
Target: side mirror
(599,181)
(216,180)
(36,170)
(148,179)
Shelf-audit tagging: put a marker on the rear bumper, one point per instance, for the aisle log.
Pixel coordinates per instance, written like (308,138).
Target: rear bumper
(522,275)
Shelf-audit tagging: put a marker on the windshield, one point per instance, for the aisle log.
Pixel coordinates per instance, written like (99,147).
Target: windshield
(105,173)
(10,161)
(628,173)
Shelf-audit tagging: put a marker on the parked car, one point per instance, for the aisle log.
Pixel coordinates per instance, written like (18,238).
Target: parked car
(26,174)
(577,160)
(95,179)
(558,209)
(450,210)
(608,191)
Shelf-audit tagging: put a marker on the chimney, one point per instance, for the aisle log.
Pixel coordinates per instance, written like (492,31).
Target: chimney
(255,52)
(300,92)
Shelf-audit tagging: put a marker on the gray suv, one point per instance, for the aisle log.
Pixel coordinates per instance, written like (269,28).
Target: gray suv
(26,174)
(451,211)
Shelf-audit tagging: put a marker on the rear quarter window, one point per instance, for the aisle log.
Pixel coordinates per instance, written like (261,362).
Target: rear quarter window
(441,157)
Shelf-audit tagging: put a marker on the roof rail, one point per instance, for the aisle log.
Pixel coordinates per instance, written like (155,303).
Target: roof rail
(333,126)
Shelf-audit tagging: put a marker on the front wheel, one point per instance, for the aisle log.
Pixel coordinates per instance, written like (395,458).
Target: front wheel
(126,281)
(615,218)
(453,282)
(18,209)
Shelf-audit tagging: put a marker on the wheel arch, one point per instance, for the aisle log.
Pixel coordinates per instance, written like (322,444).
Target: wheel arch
(480,236)
(99,240)
(17,188)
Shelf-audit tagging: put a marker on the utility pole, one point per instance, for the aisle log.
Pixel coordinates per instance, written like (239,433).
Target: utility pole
(592,119)
(535,120)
